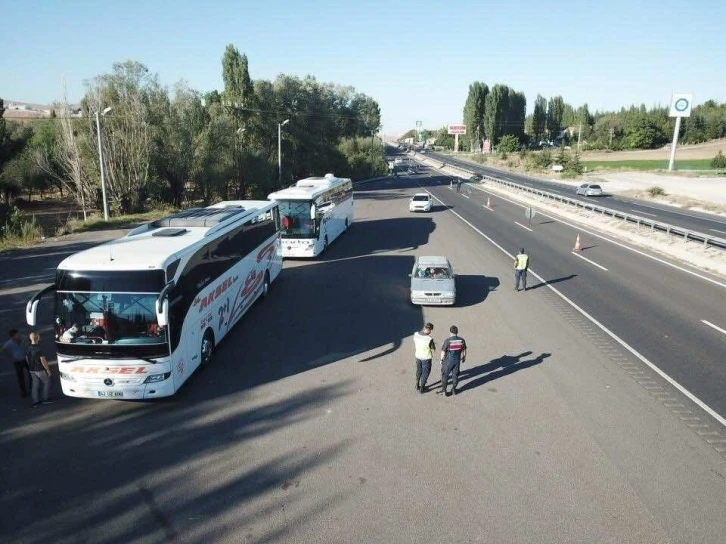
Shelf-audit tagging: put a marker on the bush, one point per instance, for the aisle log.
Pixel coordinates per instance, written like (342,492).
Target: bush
(504,155)
(656,191)
(573,167)
(508,144)
(719,161)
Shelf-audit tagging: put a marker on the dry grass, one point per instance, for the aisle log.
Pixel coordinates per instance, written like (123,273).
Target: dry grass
(706,150)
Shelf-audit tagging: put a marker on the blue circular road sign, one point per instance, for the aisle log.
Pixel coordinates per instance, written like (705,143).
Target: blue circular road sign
(681,104)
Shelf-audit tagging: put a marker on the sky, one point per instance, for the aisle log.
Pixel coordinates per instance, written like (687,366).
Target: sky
(416,59)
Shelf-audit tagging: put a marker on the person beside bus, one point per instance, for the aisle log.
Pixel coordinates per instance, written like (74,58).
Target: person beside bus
(39,372)
(15,347)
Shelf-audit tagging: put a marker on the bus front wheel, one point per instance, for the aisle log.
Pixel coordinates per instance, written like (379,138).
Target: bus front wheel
(266,285)
(207,347)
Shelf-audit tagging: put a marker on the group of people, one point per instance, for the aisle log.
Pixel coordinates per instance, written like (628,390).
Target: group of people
(31,366)
(453,353)
(432,273)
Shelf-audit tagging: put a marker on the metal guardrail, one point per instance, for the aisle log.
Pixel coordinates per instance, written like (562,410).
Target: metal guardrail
(671,230)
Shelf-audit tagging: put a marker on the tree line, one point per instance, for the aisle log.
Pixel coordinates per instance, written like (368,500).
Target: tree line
(498,114)
(178,145)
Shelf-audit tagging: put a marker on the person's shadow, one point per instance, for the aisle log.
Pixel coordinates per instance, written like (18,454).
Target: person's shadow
(497,368)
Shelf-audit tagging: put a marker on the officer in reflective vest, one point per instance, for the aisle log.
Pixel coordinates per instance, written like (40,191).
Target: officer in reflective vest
(424,351)
(521,264)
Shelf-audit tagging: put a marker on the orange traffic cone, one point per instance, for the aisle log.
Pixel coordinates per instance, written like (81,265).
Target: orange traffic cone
(577,244)
(489,202)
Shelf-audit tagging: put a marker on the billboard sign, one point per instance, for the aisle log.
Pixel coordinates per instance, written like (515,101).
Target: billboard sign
(457,129)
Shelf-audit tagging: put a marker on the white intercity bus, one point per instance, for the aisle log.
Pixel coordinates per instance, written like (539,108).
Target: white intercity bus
(136,316)
(313,213)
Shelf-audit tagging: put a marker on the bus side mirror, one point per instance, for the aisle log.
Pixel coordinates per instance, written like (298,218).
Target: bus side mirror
(313,211)
(162,305)
(31,310)
(162,313)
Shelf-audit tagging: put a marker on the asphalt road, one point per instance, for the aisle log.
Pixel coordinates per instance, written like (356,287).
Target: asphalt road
(307,427)
(691,220)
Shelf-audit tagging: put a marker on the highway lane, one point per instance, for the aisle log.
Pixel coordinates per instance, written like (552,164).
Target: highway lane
(657,309)
(696,221)
(307,428)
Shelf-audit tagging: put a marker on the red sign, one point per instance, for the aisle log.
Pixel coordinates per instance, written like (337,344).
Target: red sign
(457,129)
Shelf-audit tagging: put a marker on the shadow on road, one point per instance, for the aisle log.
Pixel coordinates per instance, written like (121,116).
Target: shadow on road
(551,282)
(497,368)
(472,289)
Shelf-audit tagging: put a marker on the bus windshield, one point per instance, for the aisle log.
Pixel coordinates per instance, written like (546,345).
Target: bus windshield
(295,219)
(107,318)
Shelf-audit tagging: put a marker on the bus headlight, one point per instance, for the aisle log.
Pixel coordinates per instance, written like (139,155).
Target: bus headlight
(67,377)
(157,377)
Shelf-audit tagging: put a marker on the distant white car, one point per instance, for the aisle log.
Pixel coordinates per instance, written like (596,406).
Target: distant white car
(589,189)
(421,202)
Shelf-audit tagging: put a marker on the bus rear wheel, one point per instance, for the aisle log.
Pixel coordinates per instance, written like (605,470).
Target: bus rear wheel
(207,351)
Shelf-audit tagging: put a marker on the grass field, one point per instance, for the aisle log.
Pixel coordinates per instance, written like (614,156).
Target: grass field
(685,164)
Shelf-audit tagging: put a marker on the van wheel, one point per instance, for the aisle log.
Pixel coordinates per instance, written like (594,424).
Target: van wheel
(266,285)
(346,223)
(207,351)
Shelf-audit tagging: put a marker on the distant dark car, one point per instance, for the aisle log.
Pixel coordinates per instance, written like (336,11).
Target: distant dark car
(476,177)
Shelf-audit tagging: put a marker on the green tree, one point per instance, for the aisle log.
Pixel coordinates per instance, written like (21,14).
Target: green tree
(495,112)
(555,111)
(539,117)
(474,109)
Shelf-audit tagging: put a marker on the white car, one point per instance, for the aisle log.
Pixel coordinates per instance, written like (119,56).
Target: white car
(421,202)
(589,189)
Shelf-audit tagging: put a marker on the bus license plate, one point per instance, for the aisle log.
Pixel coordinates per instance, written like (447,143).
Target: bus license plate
(110,393)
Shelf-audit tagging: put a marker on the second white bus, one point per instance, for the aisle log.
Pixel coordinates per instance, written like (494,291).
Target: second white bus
(313,213)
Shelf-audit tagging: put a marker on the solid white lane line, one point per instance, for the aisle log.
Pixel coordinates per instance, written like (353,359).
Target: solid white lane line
(465,196)
(520,224)
(582,229)
(719,329)
(589,261)
(644,213)
(716,230)
(487,208)
(607,331)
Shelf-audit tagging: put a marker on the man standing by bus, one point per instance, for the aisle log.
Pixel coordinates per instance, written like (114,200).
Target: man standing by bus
(15,348)
(521,264)
(424,352)
(453,353)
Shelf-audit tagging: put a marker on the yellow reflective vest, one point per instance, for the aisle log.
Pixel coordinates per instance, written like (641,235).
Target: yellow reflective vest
(424,345)
(521,261)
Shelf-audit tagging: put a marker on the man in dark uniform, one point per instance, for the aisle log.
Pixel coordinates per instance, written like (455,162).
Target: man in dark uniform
(453,353)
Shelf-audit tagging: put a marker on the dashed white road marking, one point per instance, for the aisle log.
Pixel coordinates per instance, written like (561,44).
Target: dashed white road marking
(521,225)
(644,213)
(716,230)
(719,329)
(601,237)
(705,407)
(465,196)
(589,261)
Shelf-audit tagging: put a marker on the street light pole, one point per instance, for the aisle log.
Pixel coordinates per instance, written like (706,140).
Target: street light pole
(279,150)
(100,160)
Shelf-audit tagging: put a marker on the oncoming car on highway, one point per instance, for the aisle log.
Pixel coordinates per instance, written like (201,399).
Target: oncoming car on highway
(433,282)
(420,202)
(589,189)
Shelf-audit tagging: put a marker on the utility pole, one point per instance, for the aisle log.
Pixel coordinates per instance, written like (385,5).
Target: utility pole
(612,131)
(579,137)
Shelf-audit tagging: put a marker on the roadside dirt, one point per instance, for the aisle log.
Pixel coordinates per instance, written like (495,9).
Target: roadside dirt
(50,213)
(707,150)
